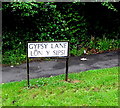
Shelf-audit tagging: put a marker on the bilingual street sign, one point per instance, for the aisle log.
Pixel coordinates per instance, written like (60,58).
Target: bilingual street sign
(48,49)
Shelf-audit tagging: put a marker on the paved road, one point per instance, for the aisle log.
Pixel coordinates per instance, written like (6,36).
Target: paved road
(57,66)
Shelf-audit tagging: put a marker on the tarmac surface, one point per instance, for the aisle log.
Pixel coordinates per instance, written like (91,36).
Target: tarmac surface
(57,66)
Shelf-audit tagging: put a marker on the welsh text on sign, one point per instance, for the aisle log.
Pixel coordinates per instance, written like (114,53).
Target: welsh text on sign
(48,49)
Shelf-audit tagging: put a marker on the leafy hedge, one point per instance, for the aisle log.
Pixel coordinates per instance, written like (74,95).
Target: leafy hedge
(51,21)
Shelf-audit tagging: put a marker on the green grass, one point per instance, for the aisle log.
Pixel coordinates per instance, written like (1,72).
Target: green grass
(90,88)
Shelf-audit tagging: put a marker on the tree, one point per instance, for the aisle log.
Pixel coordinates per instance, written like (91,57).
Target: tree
(73,21)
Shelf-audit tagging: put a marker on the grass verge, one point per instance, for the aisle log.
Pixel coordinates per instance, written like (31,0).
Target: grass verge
(89,88)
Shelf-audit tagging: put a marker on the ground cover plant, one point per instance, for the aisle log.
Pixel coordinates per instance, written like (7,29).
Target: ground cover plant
(89,88)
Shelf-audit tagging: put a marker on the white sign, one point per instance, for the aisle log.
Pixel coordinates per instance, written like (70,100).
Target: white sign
(48,49)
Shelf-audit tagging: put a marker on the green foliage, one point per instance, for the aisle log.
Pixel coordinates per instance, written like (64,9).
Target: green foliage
(16,53)
(27,8)
(14,57)
(52,21)
(96,46)
(107,44)
(109,6)
(75,52)
(90,88)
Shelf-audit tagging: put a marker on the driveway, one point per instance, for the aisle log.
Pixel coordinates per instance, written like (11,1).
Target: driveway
(57,66)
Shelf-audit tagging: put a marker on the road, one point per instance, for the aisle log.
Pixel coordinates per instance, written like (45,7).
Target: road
(57,66)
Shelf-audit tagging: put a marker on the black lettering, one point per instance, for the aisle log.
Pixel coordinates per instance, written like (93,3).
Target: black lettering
(54,52)
(65,45)
(39,52)
(35,45)
(31,47)
(51,45)
(45,45)
(61,45)
(31,53)
(62,52)
(40,46)
(59,52)
(48,52)
(35,52)
(56,46)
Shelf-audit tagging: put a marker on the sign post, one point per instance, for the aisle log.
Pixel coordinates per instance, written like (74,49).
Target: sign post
(28,71)
(66,77)
(27,59)
(48,49)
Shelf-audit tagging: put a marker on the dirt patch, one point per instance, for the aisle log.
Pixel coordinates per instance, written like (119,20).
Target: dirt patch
(92,89)
(72,81)
(75,81)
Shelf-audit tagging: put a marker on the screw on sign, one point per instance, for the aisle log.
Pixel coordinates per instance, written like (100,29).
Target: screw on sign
(48,49)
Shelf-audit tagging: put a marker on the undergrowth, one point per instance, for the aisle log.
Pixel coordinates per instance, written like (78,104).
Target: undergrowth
(17,55)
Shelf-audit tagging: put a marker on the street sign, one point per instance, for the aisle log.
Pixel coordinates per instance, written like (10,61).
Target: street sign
(48,49)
